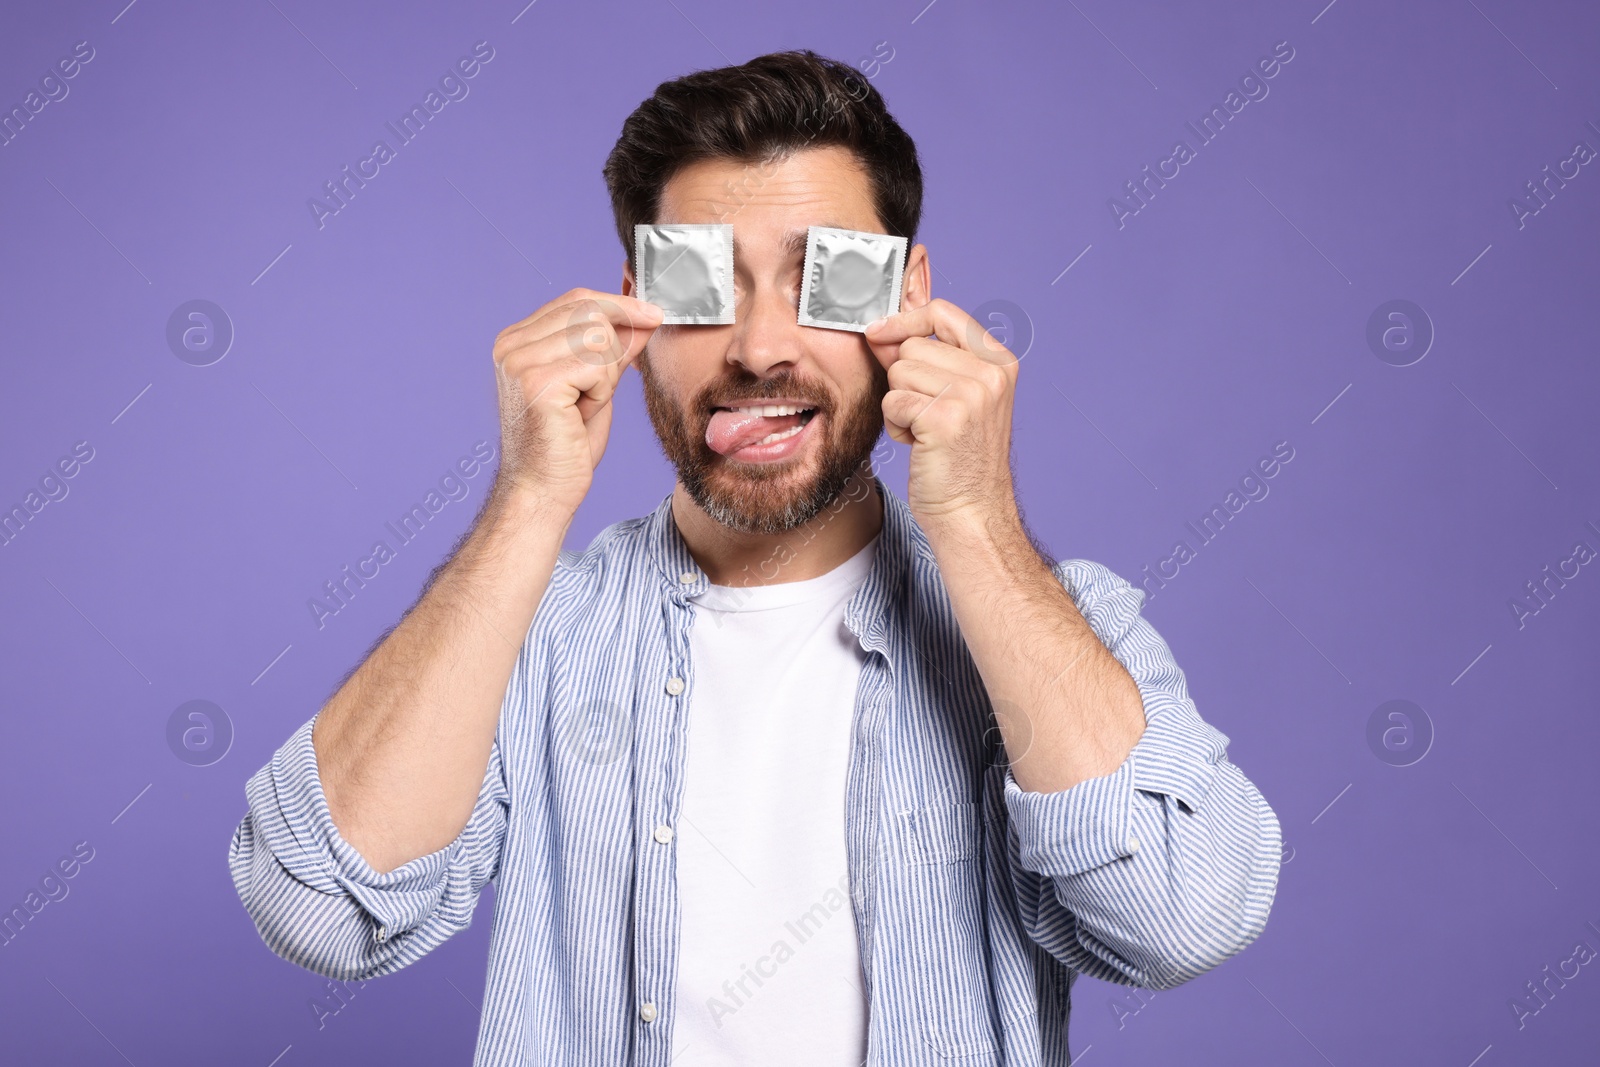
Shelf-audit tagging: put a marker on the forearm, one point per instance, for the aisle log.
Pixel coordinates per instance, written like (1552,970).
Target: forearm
(1067,709)
(1130,885)
(402,747)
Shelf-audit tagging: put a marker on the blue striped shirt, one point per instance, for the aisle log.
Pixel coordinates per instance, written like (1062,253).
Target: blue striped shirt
(977,903)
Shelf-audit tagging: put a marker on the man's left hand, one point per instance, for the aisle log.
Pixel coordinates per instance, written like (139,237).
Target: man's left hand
(950,399)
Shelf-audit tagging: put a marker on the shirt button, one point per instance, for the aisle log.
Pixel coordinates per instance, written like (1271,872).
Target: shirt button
(647,1011)
(1133,844)
(674,686)
(382,935)
(663,833)
(688,577)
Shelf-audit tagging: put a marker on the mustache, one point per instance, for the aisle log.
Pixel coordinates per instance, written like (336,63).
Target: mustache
(736,391)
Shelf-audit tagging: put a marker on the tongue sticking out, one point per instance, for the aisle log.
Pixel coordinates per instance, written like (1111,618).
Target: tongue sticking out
(729,431)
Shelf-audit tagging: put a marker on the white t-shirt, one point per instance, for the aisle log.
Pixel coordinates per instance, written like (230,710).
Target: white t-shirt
(769,968)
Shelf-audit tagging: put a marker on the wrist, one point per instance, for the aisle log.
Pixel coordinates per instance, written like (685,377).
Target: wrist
(520,509)
(977,532)
(514,545)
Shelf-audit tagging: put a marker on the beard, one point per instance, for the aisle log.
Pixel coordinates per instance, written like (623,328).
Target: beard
(766,498)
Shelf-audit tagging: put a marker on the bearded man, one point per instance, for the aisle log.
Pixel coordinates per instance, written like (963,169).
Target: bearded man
(790,770)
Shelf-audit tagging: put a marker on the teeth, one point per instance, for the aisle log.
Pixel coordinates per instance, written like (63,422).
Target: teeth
(771,437)
(770,410)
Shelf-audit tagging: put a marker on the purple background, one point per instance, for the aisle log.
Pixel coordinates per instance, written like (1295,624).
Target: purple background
(1226,316)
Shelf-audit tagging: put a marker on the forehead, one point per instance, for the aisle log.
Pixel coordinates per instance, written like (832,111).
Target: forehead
(770,204)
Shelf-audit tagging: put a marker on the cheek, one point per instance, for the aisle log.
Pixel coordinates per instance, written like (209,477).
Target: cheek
(852,373)
(680,364)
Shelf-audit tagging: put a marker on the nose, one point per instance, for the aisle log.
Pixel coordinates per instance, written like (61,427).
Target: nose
(766,331)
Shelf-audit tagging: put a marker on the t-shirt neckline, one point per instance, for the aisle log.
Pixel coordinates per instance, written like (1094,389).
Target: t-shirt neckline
(847,575)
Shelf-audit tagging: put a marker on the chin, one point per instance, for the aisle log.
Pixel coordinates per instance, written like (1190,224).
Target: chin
(775,498)
(761,498)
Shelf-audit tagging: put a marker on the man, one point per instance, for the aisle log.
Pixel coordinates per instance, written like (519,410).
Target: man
(789,771)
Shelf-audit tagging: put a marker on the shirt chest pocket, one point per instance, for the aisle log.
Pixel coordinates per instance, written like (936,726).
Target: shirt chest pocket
(940,848)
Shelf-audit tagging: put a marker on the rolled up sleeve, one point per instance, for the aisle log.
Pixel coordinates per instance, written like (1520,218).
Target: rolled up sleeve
(319,904)
(1167,866)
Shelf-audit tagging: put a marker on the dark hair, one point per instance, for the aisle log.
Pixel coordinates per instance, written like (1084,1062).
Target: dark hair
(759,112)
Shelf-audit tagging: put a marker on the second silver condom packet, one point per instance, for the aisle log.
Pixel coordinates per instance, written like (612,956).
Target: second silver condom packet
(687,270)
(851,277)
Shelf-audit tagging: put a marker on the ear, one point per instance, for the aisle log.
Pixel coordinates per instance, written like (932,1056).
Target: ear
(916,288)
(627,278)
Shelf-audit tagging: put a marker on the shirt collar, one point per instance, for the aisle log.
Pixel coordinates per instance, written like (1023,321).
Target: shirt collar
(868,615)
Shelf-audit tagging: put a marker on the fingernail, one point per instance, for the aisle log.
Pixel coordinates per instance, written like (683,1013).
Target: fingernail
(877,323)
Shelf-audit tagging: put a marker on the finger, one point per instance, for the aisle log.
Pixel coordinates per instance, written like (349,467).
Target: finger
(628,314)
(589,335)
(936,353)
(918,376)
(598,396)
(888,337)
(544,311)
(594,338)
(938,318)
(552,395)
(977,381)
(617,335)
(546,378)
(629,310)
(592,342)
(901,407)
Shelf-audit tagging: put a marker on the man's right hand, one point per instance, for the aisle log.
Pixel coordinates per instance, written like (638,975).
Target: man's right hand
(403,747)
(557,371)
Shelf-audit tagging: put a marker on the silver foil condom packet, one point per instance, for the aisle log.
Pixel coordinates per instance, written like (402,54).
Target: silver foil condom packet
(687,270)
(851,278)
